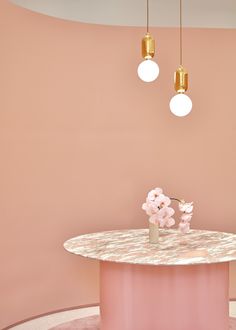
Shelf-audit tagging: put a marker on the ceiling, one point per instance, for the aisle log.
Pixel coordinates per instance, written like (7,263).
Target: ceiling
(163,13)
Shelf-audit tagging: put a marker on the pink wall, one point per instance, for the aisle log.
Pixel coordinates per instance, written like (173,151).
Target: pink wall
(82,140)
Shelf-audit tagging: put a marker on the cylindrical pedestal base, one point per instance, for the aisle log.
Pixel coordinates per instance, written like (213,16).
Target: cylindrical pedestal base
(142,297)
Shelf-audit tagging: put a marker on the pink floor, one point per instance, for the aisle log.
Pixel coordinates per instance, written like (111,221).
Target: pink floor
(92,323)
(85,323)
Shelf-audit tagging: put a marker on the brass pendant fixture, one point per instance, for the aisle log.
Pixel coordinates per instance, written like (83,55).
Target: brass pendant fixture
(148,70)
(180,104)
(148,47)
(181,80)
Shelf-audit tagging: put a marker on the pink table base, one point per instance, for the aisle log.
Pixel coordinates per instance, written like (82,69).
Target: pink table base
(138,297)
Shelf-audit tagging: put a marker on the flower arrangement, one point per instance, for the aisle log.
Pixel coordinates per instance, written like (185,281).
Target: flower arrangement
(158,208)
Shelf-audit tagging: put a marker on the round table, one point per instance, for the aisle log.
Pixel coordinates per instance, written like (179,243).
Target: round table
(181,283)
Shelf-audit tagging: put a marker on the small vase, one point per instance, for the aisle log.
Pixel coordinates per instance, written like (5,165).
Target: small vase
(153,232)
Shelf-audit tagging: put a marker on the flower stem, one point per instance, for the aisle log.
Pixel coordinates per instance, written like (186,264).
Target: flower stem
(176,199)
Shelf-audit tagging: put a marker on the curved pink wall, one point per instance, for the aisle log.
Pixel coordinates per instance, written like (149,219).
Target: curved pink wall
(82,140)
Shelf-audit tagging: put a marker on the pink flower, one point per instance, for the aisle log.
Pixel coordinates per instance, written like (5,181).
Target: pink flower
(144,206)
(153,194)
(164,216)
(184,227)
(186,207)
(162,200)
(154,218)
(186,217)
(158,191)
(170,222)
(150,207)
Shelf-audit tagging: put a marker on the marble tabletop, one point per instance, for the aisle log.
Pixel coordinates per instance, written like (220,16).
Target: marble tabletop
(132,246)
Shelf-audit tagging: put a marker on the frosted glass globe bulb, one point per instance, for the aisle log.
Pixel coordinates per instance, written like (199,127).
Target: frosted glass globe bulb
(180,105)
(148,70)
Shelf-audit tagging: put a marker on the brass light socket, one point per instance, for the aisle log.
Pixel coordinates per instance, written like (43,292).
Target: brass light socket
(181,80)
(148,46)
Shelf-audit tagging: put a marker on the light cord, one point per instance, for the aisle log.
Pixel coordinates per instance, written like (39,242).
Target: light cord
(147,16)
(180,34)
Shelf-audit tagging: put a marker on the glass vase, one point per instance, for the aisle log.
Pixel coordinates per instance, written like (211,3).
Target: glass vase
(153,233)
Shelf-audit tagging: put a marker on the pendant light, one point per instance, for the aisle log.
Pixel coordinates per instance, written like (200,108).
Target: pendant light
(181,104)
(148,70)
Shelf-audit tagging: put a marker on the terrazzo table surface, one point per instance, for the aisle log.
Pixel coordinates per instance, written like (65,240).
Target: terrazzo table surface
(133,247)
